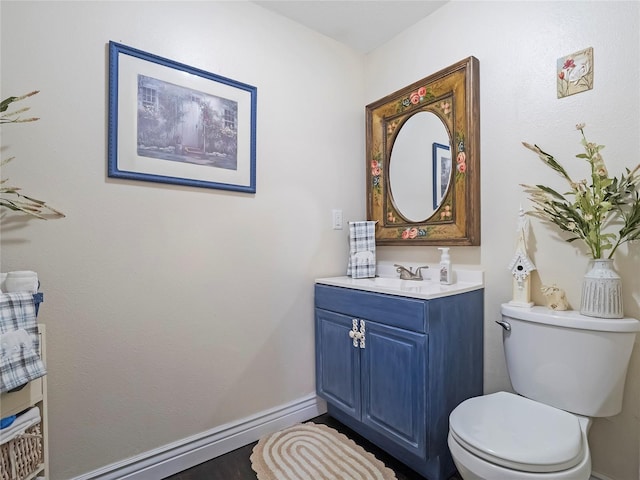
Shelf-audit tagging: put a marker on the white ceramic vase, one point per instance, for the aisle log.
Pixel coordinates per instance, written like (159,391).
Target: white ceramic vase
(602,291)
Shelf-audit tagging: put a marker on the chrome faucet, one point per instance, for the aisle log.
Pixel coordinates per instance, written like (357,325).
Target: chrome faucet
(408,273)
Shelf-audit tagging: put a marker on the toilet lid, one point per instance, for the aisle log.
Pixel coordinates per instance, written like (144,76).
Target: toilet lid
(518,433)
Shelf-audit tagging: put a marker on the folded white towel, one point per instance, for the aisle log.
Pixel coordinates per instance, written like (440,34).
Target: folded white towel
(28,419)
(19,281)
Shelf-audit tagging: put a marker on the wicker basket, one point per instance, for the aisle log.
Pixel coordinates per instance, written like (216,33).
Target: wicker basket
(21,457)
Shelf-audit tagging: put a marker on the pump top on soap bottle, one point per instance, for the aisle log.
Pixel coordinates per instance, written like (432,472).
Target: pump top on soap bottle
(445,266)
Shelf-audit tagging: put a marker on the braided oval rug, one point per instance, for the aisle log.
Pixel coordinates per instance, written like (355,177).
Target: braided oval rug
(311,451)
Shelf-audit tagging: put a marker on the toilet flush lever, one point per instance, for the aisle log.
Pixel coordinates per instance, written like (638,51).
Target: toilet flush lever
(504,325)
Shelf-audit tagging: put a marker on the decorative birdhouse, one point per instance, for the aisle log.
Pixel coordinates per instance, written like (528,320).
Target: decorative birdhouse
(521,266)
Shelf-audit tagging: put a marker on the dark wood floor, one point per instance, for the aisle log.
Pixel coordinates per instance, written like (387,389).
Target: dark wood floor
(236,465)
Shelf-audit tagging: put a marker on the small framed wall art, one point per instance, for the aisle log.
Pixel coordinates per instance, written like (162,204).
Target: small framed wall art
(574,73)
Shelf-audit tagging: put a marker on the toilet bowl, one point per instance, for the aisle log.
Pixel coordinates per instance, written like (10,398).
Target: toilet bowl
(503,436)
(565,369)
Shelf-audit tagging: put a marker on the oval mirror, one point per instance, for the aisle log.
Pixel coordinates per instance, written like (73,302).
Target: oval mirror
(420,166)
(423,160)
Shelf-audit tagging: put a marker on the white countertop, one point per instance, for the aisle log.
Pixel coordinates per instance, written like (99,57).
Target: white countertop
(465,281)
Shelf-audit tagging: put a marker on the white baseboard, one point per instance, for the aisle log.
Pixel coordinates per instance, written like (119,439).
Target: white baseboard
(189,452)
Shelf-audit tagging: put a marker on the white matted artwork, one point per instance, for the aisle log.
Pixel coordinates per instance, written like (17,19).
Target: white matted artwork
(173,123)
(574,73)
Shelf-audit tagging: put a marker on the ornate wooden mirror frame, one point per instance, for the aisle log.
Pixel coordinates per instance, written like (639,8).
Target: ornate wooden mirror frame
(452,94)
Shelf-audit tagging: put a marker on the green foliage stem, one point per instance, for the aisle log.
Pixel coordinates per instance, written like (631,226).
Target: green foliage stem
(590,212)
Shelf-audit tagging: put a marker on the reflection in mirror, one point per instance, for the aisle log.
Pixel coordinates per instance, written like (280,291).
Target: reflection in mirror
(418,174)
(423,160)
(441,158)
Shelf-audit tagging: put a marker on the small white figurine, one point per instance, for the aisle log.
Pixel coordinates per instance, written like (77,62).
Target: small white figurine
(556,298)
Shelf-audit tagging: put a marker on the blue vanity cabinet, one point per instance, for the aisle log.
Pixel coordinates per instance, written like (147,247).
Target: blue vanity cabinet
(380,383)
(419,360)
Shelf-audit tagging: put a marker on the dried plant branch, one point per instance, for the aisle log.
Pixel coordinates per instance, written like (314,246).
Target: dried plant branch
(10,197)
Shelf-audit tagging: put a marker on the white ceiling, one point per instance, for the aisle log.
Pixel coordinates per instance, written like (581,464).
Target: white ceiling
(363,25)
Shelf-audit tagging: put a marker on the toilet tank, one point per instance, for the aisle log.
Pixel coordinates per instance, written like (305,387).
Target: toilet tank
(567,360)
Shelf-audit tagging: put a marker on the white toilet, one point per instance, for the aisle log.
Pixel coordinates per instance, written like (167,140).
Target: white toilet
(566,369)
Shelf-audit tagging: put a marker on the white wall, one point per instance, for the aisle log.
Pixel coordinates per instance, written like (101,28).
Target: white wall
(517,44)
(173,310)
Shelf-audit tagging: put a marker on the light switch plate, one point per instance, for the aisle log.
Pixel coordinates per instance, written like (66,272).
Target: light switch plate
(336,219)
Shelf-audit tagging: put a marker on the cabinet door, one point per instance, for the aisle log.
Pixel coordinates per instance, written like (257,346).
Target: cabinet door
(394,385)
(337,362)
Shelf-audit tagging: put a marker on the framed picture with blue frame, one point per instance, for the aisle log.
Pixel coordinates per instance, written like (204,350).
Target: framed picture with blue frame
(172,123)
(441,155)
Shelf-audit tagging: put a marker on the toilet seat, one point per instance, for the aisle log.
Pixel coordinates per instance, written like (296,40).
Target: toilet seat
(518,433)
